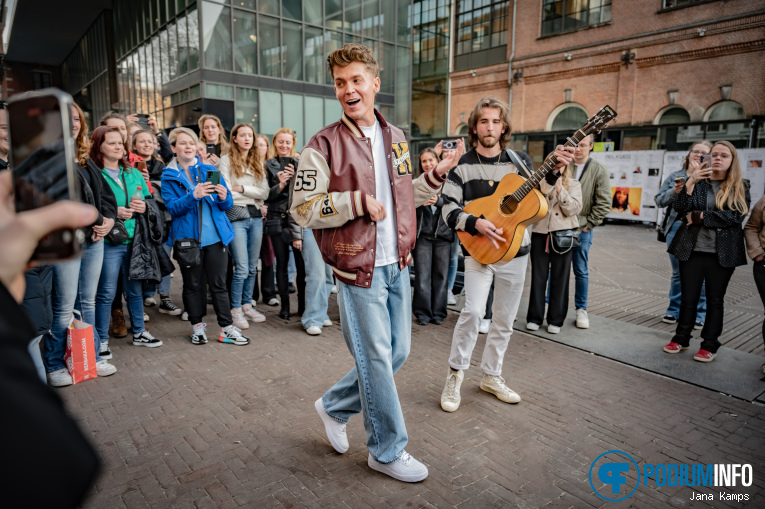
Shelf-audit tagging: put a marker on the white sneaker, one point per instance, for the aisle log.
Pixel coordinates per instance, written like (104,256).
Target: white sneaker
(252,314)
(232,335)
(328,323)
(146,339)
(405,468)
(60,378)
(198,335)
(185,316)
(451,300)
(484,327)
(103,368)
(273,302)
(145,317)
(149,302)
(450,397)
(496,385)
(104,351)
(532,326)
(313,330)
(582,321)
(334,289)
(335,430)
(239,319)
(552,329)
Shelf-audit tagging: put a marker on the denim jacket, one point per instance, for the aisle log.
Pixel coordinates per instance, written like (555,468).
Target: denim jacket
(665,197)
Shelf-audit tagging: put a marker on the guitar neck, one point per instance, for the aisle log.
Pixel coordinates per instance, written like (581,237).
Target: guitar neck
(543,170)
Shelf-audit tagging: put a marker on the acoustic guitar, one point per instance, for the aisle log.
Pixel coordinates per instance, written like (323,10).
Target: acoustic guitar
(516,203)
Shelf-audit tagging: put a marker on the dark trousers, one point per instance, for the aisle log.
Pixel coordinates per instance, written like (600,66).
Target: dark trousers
(212,272)
(431,268)
(702,269)
(282,252)
(759,280)
(557,267)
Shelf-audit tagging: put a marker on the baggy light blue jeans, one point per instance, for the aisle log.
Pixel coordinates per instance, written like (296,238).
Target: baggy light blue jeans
(317,286)
(245,249)
(75,284)
(377,326)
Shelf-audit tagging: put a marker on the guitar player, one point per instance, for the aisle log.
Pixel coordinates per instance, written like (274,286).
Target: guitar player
(476,176)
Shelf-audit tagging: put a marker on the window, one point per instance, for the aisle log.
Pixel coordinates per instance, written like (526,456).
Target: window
(293,50)
(674,115)
(481,24)
(245,43)
(568,118)
(725,110)
(565,15)
(219,91)
(247,107)
(430,44)
(41,79)
(669,4)
(217,36)
(270,47)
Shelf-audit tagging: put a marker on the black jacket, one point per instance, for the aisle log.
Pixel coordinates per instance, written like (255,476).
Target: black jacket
(148,259)
(103,197)
(37,298)
(165,152)
(431,225)
(39,433)
(278,217)
(731,250)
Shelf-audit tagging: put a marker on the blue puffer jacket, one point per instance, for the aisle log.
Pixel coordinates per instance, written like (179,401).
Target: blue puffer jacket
(178,195)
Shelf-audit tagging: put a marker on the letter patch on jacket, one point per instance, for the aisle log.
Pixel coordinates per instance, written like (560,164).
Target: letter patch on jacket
(327,209)
(401,161)
(305,208)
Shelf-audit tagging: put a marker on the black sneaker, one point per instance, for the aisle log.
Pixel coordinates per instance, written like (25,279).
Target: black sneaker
(292,288)
(146,339)
(104,352)
(233,336)
(198,336)
(669,319)
(167,307)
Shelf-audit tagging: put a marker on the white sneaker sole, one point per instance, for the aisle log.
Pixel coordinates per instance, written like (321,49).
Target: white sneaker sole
(328,423)
(387,470)
(501,396)
(148,345)
(174,312)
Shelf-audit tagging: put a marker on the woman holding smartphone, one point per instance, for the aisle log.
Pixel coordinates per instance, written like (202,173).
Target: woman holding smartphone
(211,133)
(279,225)
(198,206)
(244,175)
(709,244)
(129,189)
(671,187)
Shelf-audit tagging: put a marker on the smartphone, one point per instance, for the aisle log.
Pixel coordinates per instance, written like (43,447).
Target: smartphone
(211,149)
(449,145)
(679,179)
(42,162)
(286,161)
(214,177)
(706,158)
(143,121)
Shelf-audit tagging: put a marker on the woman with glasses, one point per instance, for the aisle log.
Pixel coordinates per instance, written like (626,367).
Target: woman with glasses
(671,187)
(712,205)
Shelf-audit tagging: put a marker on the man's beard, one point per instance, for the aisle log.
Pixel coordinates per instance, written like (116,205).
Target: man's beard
(484,145)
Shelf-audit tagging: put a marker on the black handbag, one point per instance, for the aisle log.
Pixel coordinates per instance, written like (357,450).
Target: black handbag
(187,252)
(660,236)
(238,213)
(563,241)
(273,226)
(118,234)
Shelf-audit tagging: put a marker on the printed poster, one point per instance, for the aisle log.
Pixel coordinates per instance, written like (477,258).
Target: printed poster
(635,178)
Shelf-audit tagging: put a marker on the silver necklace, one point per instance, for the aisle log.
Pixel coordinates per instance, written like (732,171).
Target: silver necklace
(483,172)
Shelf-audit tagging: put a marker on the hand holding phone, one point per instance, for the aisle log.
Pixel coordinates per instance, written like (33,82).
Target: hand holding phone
(203,189)
(705,159)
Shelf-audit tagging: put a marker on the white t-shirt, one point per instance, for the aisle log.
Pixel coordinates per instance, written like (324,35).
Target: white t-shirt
(386,251)
(579,170)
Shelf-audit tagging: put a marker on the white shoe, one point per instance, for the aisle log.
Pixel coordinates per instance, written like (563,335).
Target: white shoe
(104,351)
(582,321)
(239,319)
(328,323)
(252,314)
(484,327)
(496,385)
(532,326)
(198,335)
(185,316)
(146,339)
(450,397)
(552,329)
(335,430)
(313,330)
(451,300)
(59,378)
(149,302)
(273,302)
(405,468)
(103,368)
(334,289)
(145,317)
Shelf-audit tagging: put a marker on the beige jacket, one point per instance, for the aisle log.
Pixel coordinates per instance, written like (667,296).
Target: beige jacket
(754,230)
(255,190)
(562,209)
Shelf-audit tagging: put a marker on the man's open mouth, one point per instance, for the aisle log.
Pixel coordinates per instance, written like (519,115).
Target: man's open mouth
(352,102)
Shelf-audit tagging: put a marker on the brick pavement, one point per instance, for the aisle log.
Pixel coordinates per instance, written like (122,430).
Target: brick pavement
(226,426)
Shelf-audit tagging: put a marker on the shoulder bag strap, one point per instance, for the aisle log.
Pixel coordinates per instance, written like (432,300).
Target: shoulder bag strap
(523,171)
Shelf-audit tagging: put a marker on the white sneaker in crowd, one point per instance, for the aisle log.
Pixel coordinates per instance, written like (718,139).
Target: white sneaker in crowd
(405,468)
(532,326)
(232,335)
(328,322)
(273,301)
(104,351)
(145,317)
(313,330)
(60,378)
(582,321)
(103,368)
(553,329)
(335,430)
(185,316)
(253,314)
(450,397)
(198,336)
(149,302)
(484,327)
(496,385)
(451,300)
(334,289)
(239,319)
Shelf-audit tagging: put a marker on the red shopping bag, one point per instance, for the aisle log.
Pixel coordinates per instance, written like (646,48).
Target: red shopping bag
(80,356)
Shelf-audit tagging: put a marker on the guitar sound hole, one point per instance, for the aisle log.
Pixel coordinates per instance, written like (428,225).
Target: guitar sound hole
(508,205)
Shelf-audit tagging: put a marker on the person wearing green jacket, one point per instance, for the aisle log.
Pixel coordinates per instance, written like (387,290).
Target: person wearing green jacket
(596,203)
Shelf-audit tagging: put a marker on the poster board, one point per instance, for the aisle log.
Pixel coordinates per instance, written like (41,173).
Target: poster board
(635,178)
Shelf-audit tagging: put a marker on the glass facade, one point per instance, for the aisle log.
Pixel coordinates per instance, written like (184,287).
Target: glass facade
(566,15)
(261,61)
